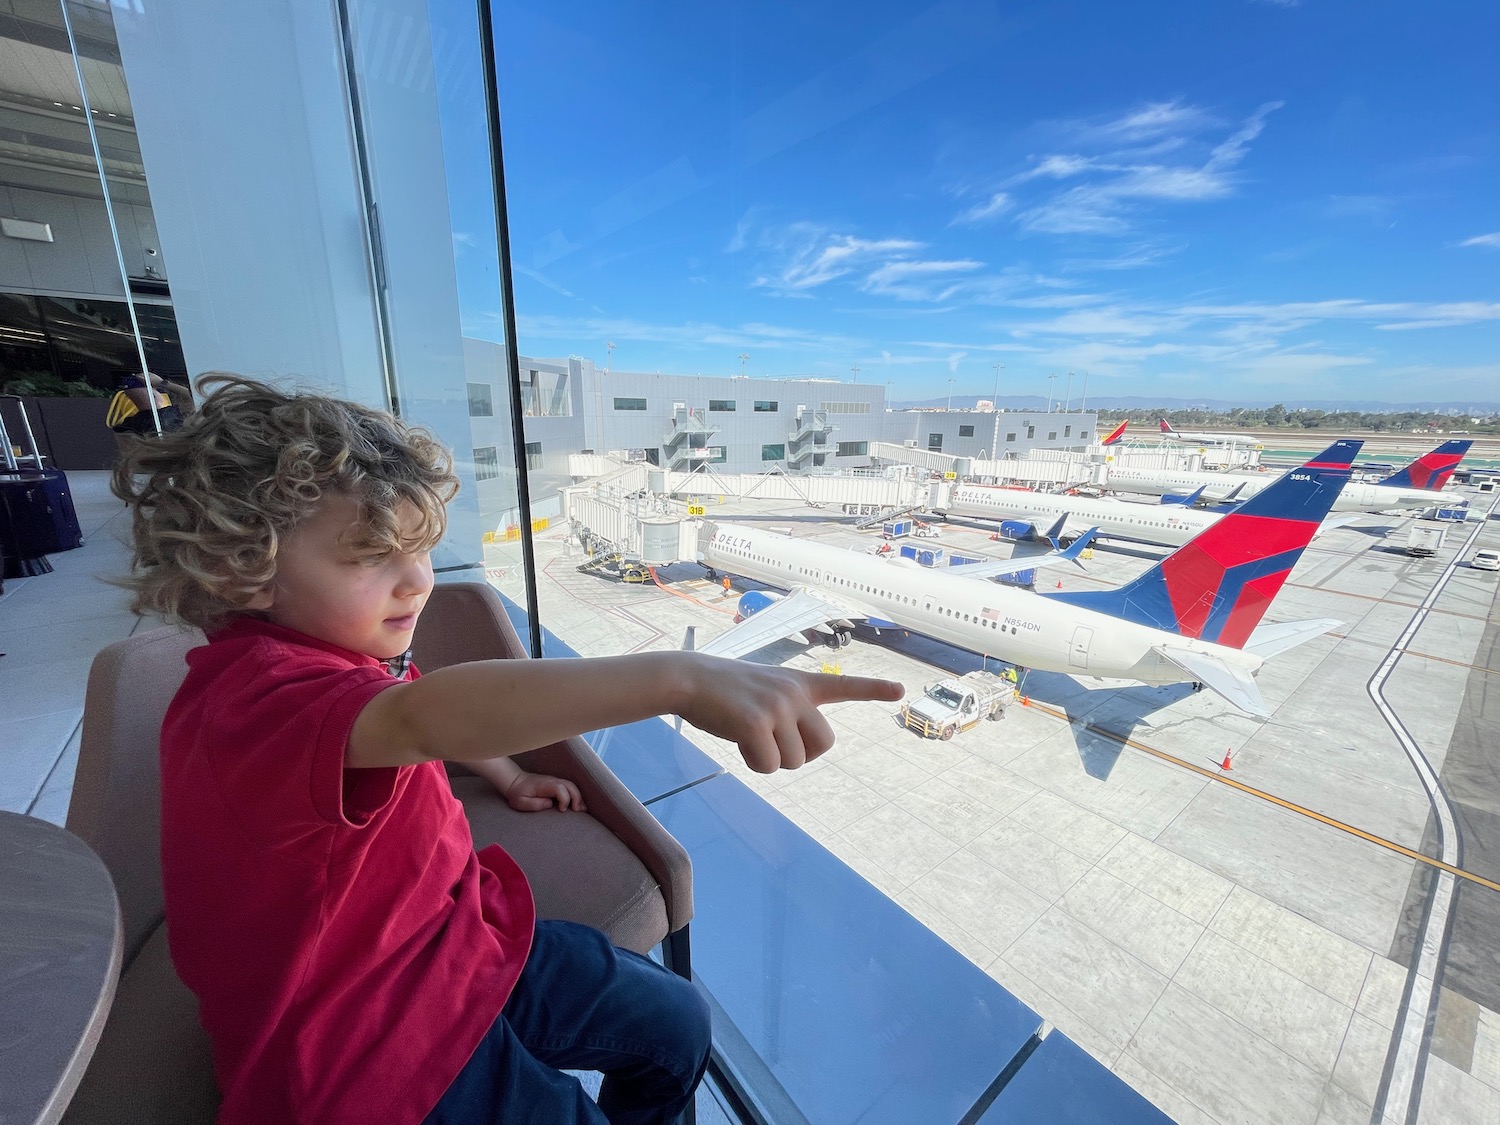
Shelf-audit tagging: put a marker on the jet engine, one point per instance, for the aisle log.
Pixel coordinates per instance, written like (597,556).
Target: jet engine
(752,602)
(1017,530)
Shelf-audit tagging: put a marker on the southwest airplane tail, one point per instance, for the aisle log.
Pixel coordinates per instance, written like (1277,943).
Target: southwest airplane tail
(1119,433)
(1218,585)
(1433,470)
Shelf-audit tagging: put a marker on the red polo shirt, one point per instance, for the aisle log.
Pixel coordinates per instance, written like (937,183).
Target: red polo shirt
(347,946)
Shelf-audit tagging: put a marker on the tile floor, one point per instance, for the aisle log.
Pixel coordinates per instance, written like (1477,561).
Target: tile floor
(50,627)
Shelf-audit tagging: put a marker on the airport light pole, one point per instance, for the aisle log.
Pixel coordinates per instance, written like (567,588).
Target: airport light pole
(1068,408)
(995,394)
(1050,380)
(743,357)
(609,355)
(856,373)
(1085,404)
(950,392)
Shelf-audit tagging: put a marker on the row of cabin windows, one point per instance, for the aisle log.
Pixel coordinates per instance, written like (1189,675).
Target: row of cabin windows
(865,588)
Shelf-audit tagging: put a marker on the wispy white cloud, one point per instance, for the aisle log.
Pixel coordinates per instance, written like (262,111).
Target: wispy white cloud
(1053,168)
(1228,154)
(997,204)
(1150,121)
(812,256)
(913,280)
(1386,314)
(1492,240)
(1119,181)
(563,334)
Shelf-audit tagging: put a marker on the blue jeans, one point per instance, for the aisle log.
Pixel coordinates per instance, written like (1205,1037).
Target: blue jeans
(583,1004)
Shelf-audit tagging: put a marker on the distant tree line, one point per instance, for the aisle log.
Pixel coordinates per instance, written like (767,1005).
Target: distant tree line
(1279,417)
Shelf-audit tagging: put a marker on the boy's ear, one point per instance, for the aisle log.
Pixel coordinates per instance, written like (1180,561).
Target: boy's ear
(262,599)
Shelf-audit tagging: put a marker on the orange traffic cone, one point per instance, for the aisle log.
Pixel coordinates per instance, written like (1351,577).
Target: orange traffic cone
(1059,583)
(1025,701)
(1224,765)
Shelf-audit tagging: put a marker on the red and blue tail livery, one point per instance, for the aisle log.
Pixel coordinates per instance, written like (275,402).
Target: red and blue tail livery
(1219,584)
(1433,470)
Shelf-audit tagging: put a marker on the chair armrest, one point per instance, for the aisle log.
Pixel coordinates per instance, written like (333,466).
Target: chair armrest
(618,809)
(466,621)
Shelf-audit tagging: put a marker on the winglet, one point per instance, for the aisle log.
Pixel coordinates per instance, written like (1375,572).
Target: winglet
(1075,550)
(1055,532)
(1189,500)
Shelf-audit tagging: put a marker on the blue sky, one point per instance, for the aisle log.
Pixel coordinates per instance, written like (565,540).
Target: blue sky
(1236,199)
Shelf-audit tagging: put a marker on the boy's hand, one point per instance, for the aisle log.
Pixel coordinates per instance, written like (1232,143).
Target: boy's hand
(772,712)
(533,792)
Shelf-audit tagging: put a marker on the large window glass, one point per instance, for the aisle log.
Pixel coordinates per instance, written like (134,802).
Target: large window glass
(863,219)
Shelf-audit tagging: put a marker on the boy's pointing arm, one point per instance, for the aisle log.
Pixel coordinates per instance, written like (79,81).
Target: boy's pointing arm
(491,708)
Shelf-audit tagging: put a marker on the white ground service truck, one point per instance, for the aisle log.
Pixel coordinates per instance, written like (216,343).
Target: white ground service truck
(956,704)
(1425,538)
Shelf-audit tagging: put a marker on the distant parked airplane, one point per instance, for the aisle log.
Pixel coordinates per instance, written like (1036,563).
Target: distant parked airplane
(1022,515)
(1399,490)
(1193,617)
(1114,438)
(1204,439)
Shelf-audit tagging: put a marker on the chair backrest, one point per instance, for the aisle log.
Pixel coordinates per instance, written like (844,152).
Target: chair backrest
(116,804)
(463,621)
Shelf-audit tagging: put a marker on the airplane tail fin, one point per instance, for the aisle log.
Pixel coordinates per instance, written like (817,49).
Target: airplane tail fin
(1119,433)
(1165,427)
(1219,584)
(1431,470)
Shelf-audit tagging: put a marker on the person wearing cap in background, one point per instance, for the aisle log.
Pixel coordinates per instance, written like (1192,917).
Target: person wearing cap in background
(130,409)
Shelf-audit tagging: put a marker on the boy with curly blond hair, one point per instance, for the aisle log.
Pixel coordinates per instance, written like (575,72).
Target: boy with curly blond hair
(354,958)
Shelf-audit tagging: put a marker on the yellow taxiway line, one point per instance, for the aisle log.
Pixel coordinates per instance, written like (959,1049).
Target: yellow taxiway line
(1271,798)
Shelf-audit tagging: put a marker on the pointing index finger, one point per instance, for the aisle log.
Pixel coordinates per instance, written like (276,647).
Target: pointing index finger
(839,689)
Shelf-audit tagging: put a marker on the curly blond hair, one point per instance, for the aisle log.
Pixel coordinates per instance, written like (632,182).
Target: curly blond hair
(212,502)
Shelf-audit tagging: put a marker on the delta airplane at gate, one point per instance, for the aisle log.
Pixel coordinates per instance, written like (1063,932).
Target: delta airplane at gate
(1195,617)
(1024,515)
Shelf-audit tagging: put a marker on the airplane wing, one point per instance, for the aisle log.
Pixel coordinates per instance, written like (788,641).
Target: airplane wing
(1234,684)
(998,568)
(1267,640)
(784,618)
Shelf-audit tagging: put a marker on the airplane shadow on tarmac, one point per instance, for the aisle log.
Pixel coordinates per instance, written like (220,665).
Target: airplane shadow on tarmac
(1119,708)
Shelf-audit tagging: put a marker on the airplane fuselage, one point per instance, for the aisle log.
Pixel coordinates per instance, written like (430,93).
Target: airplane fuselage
(1167,525)
(1353,497)
(1023,628)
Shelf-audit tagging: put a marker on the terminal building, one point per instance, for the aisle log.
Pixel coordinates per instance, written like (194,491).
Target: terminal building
(724,425)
